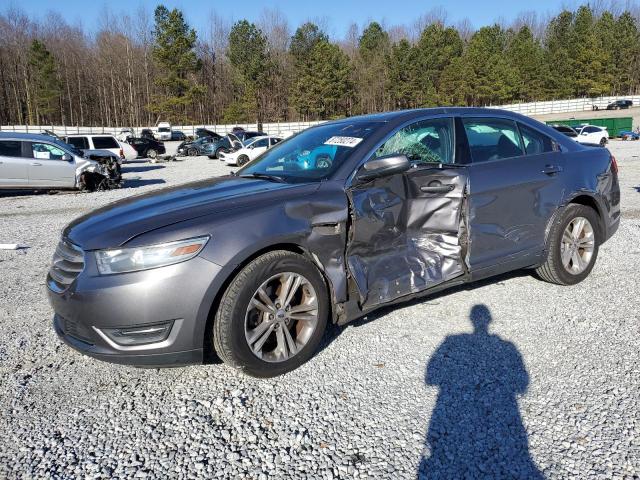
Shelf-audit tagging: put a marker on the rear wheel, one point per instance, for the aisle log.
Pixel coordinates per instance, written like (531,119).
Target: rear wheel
(242,160)
(603,142)
(573,246)
(151,153)
(272,316)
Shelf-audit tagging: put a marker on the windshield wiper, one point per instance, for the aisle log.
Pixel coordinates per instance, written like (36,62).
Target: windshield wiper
(264,176)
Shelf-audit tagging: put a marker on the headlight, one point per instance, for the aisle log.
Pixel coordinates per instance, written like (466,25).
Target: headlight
(142,258)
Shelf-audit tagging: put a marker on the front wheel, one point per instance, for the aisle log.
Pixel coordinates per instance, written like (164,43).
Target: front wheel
(152,154)
(272,316)
(192,152)
(242,160)
(573,244)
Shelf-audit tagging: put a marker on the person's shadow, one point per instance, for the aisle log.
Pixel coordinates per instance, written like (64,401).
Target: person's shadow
(476,430)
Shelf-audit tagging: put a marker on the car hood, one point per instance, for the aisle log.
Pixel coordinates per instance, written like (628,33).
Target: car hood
(115,224)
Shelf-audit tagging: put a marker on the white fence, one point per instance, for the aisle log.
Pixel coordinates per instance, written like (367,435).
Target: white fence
(279,129)
(565,106)
(286,129)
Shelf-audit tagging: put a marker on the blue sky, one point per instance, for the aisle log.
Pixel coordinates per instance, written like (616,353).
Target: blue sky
(337,14)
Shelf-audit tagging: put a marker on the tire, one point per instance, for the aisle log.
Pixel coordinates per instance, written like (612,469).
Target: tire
(218,152)
(554,269)
(242,160)
(603,142)
(151,153)
(192,152)
(235,321)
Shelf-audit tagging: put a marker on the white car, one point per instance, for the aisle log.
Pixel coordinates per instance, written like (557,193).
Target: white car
(252,148)
(123,150)
(125,133)
(592,134)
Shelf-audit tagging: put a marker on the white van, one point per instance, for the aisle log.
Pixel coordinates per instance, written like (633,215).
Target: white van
(164,131)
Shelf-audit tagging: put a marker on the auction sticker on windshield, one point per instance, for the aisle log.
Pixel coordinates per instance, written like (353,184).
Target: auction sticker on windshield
(343,141)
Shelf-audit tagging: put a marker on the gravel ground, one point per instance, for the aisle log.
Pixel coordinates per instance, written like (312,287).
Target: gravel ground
(552,389)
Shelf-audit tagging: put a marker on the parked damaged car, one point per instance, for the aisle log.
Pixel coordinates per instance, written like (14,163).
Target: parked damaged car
(326,226)
(147,147)
(35,161)
(212,147)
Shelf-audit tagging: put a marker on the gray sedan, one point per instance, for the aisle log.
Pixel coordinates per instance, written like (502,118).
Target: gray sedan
(330,224)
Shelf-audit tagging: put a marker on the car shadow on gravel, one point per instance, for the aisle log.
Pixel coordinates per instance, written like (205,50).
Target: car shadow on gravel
(136,182)
(475,430)
(144,168)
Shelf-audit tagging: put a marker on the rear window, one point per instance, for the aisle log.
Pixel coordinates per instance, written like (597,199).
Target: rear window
(534,141)
(10,148)
(492,139)
(78,142)
(105,142)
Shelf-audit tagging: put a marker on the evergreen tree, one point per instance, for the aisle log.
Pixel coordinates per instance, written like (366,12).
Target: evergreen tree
(457,83)
(248,55)
(559,59)
(175,56)
(526,56)
(371,74)
(302,44)
(403,84)
(437,47)
(46,88)
(626,54)
(590,59)
(327,77)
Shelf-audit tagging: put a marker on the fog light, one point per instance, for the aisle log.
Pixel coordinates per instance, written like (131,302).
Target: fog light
(139,335)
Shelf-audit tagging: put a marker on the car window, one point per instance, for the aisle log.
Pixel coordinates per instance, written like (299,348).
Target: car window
(105,142)
(263,142)
(590,130)
(492,139)
(275,140)
(534,141)
(46,151)
(78,142)
(426,141)
(10,148)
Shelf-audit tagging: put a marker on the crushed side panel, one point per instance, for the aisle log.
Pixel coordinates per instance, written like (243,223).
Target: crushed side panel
(404,240)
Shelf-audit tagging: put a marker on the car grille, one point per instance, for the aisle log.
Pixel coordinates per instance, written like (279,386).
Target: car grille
(68,262)
(75,330)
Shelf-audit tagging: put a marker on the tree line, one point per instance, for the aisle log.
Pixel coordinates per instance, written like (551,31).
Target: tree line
(139,69)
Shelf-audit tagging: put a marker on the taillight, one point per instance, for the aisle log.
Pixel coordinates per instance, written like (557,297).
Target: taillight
(614,164)
(121,153)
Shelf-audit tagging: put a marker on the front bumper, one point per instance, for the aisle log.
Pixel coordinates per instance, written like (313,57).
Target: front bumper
(179,295)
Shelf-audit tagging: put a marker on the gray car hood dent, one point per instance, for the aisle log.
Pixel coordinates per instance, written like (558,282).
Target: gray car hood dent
(115,224)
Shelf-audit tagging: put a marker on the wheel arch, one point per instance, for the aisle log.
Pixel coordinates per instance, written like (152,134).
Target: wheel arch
(582,198)
(215,303)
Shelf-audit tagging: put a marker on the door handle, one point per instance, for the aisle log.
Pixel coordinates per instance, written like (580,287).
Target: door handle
(36,164)
(551,169)
(437,188)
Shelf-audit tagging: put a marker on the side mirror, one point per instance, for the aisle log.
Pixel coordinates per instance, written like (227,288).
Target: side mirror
(67,158)
(383,166)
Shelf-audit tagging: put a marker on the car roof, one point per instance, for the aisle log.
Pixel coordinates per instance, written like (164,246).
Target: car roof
(25,136)
(90,135)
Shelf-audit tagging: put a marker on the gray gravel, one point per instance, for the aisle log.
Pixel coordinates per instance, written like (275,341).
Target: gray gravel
(553,389)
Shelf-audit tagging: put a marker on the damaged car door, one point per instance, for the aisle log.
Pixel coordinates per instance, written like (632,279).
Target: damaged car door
(407,227)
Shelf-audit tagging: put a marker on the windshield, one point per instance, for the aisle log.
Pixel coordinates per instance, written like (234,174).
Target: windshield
(164,129)
(313,154)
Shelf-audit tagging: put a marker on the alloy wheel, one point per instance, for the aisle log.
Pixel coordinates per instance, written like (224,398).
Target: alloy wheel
(281,317)
(577,246)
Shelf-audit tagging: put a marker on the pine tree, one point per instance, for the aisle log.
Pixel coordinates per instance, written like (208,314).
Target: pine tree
(403,83)
(302,44)
(590,58)
(526,55)
(248,55)
(558,57)
(175,56)
(437,47)
(45,85)
(370,71)
(626,54)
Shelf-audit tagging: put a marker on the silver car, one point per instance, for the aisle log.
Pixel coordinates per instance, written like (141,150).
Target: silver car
(36,161)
